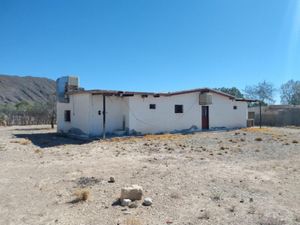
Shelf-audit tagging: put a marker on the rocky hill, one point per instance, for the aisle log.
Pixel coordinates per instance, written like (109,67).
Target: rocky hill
(14,89)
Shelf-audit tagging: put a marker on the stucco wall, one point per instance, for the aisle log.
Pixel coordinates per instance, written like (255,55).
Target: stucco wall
(116,112)
(80,112)
(222,114)
(163,118)
(79,106)
(139,117)
(62,126)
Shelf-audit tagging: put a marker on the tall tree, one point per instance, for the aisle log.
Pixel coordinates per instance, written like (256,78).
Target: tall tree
(290,92)
(232,91)
(263,91)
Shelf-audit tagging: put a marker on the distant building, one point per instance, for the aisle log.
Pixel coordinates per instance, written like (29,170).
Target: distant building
(277,115)
(88,113)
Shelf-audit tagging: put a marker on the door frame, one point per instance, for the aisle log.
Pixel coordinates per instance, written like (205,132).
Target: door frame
(205,123)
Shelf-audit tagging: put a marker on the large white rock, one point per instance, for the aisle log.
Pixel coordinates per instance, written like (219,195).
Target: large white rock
(133,193)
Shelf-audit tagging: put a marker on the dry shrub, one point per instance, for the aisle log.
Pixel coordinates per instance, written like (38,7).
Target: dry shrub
(21,141)
(258,139)
(175,195)
(82,195)
(133,221)
(295,141)
(38,151)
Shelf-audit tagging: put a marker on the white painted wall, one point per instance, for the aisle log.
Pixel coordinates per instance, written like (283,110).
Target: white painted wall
(62,126)
(116,112)
(139,117)
(79,106)
(164,118)
(80,112)
(222,114)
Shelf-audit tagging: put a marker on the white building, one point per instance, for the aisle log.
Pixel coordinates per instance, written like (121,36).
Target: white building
(92,113)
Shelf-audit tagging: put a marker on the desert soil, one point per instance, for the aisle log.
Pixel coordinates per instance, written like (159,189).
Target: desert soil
(248,176)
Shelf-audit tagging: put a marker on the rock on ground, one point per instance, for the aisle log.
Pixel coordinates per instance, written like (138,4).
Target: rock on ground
(133,193)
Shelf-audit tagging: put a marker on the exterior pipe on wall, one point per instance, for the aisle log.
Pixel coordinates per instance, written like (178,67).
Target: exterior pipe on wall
(104,115)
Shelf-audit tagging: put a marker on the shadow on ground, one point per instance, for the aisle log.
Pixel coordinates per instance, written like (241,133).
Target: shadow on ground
(46,140)
(25,129)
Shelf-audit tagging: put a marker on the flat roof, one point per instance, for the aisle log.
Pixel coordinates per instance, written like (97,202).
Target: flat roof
(131,93)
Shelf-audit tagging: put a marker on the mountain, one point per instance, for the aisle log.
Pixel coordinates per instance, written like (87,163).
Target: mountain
(14,89)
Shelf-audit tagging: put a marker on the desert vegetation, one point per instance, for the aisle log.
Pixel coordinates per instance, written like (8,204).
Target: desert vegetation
(25,113)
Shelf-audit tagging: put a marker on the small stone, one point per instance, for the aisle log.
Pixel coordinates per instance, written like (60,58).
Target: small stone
(147,202)
(133,193)
(125,202)
(112,180)
(133,205)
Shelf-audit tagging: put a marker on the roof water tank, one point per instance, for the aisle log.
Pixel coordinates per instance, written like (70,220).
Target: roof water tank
(205,98)
(63,85)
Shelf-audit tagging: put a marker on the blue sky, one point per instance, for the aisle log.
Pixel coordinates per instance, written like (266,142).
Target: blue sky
(153,45)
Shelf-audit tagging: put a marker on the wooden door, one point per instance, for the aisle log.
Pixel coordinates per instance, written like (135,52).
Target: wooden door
(205,117)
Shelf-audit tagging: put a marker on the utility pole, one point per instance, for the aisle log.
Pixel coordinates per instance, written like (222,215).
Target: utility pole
(104,115)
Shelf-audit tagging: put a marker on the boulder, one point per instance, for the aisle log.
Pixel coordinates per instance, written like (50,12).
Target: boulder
(133,193)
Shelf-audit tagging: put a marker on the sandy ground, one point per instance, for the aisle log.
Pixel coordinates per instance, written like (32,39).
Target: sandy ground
(247,176)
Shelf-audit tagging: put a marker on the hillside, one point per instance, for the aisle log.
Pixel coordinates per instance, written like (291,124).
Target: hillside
(15,89)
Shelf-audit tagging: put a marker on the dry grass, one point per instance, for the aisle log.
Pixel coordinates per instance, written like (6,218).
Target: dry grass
(257,129)
(148,137)
(38,151)
(133,221)
(82,195)
(264,130)
(21,141)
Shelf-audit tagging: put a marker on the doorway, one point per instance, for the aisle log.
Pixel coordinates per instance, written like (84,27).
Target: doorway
(205,117)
